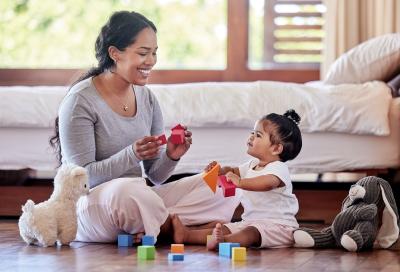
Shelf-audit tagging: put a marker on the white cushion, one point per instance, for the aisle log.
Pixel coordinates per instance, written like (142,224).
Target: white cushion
(375,59)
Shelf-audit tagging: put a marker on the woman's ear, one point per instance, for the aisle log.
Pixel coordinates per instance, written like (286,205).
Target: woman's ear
(114,53)
(278,148)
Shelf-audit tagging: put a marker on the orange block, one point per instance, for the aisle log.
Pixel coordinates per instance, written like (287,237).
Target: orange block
(211,177)
(178,248)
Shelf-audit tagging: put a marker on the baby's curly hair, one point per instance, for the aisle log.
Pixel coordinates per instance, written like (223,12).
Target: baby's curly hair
(284,129)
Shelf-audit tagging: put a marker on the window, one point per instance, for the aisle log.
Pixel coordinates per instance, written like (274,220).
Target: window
(285,33)
(61,34)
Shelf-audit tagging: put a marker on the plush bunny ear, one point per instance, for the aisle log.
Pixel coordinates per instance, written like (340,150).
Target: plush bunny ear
(389,231)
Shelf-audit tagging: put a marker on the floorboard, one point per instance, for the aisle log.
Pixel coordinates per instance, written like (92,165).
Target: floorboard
(16,256)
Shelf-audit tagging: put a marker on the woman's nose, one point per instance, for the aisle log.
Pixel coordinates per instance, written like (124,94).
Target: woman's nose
(151,59)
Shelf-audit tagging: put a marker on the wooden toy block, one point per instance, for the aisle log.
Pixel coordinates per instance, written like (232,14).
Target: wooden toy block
(177,136)
(178,126)
(211,177)
(239,254)
(177,248)
(148,240)
(228,188)
(125,240)
(209,237)
(146,252)
(162,138)
(175,257)
(225,249)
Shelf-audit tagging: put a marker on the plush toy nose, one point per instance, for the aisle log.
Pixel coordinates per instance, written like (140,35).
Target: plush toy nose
(356,192)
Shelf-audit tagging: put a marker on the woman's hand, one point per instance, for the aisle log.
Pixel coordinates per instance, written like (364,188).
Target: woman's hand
(176,151)
(146,148)
(210,166)
(235,179)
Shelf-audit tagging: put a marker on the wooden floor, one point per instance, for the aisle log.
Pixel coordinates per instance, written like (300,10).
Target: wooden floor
(16,256)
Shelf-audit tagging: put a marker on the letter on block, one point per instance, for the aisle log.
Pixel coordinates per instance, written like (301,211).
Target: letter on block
(125,240)
(211,177)
(148,240)
(177,248)
(239,254)
(225,249)
(175,257)
(228,188)
(146,252)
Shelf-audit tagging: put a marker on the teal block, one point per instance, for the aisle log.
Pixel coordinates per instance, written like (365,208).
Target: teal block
(148,240)
(146,252)
(125,240)
(225,249)
(175,257)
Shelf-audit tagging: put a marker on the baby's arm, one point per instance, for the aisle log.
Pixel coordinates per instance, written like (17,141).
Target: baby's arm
(260,183)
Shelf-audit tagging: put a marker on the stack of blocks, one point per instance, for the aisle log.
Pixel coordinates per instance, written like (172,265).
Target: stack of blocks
(147,250)
(177,252)
(233,251)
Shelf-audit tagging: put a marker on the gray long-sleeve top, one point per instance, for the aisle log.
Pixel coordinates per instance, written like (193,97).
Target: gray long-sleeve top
(92,135)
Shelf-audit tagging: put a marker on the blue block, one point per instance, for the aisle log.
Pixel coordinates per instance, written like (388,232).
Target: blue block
(225,249)
(125,240)
(175,257)
(148,240)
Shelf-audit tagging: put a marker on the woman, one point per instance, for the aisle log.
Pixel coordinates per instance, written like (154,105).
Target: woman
(109,123)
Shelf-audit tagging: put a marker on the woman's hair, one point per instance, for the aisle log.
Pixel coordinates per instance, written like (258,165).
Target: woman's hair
(285,131)
(120,31)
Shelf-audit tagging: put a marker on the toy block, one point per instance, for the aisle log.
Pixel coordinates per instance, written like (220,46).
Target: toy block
(125,240)
(209,237)
(178,126)
(211,177)
(162,138)
(177,248)
(239,254)
(175,257)
(228,188)
(148,240)
(177,136)
(225,249)
(146,252)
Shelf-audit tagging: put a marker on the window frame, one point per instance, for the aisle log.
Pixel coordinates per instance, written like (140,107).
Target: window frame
(236,67)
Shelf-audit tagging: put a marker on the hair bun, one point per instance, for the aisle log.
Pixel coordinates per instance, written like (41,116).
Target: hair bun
(292,115)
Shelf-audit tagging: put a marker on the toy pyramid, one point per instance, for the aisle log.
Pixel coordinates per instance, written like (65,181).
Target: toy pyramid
(211,177)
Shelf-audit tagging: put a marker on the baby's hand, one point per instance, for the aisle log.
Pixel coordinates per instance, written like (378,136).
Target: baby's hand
(235,179)
(210,166)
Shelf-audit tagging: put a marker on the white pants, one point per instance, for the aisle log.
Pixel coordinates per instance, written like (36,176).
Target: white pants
(129,205)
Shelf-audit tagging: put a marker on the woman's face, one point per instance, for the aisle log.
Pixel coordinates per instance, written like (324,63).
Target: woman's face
(136,61)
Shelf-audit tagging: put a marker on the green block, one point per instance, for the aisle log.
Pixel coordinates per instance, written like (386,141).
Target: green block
(146,252)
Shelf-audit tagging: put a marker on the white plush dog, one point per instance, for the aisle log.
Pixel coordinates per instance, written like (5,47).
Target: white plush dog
(55,219)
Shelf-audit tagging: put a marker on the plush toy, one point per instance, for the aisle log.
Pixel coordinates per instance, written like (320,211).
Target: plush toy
(55,219)
(369,214)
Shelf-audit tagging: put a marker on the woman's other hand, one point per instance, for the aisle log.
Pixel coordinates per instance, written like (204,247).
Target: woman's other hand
(176,151)
(210,166)
(146,148)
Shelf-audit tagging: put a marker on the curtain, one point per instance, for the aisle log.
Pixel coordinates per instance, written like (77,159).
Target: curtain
(351,22)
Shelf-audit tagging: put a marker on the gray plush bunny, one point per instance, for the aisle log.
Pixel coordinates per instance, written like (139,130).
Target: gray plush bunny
(369,214)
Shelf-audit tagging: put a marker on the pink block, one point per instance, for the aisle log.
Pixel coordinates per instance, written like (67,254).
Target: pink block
(162,138)
(228,188)
(178,136)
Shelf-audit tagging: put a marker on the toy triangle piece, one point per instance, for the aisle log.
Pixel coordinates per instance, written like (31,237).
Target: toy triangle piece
(211,177)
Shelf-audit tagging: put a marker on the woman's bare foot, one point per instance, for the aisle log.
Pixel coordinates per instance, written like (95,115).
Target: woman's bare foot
(137,237)
(216,237)
(180,231)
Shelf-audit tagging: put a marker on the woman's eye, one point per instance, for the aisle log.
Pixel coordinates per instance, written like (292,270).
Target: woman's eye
(142,54)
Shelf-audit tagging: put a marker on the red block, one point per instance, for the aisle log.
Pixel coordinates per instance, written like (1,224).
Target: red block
(162,138)
(177,136)
(228,188)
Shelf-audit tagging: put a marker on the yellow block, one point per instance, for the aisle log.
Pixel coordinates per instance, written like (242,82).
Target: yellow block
(211,177)
(208,238)
(177,248)
(239,254)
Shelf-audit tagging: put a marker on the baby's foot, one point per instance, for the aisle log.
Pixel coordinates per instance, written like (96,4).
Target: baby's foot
(180,231)
(216,237)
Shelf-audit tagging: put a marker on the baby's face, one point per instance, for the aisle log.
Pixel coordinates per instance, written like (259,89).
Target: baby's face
(259,141)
